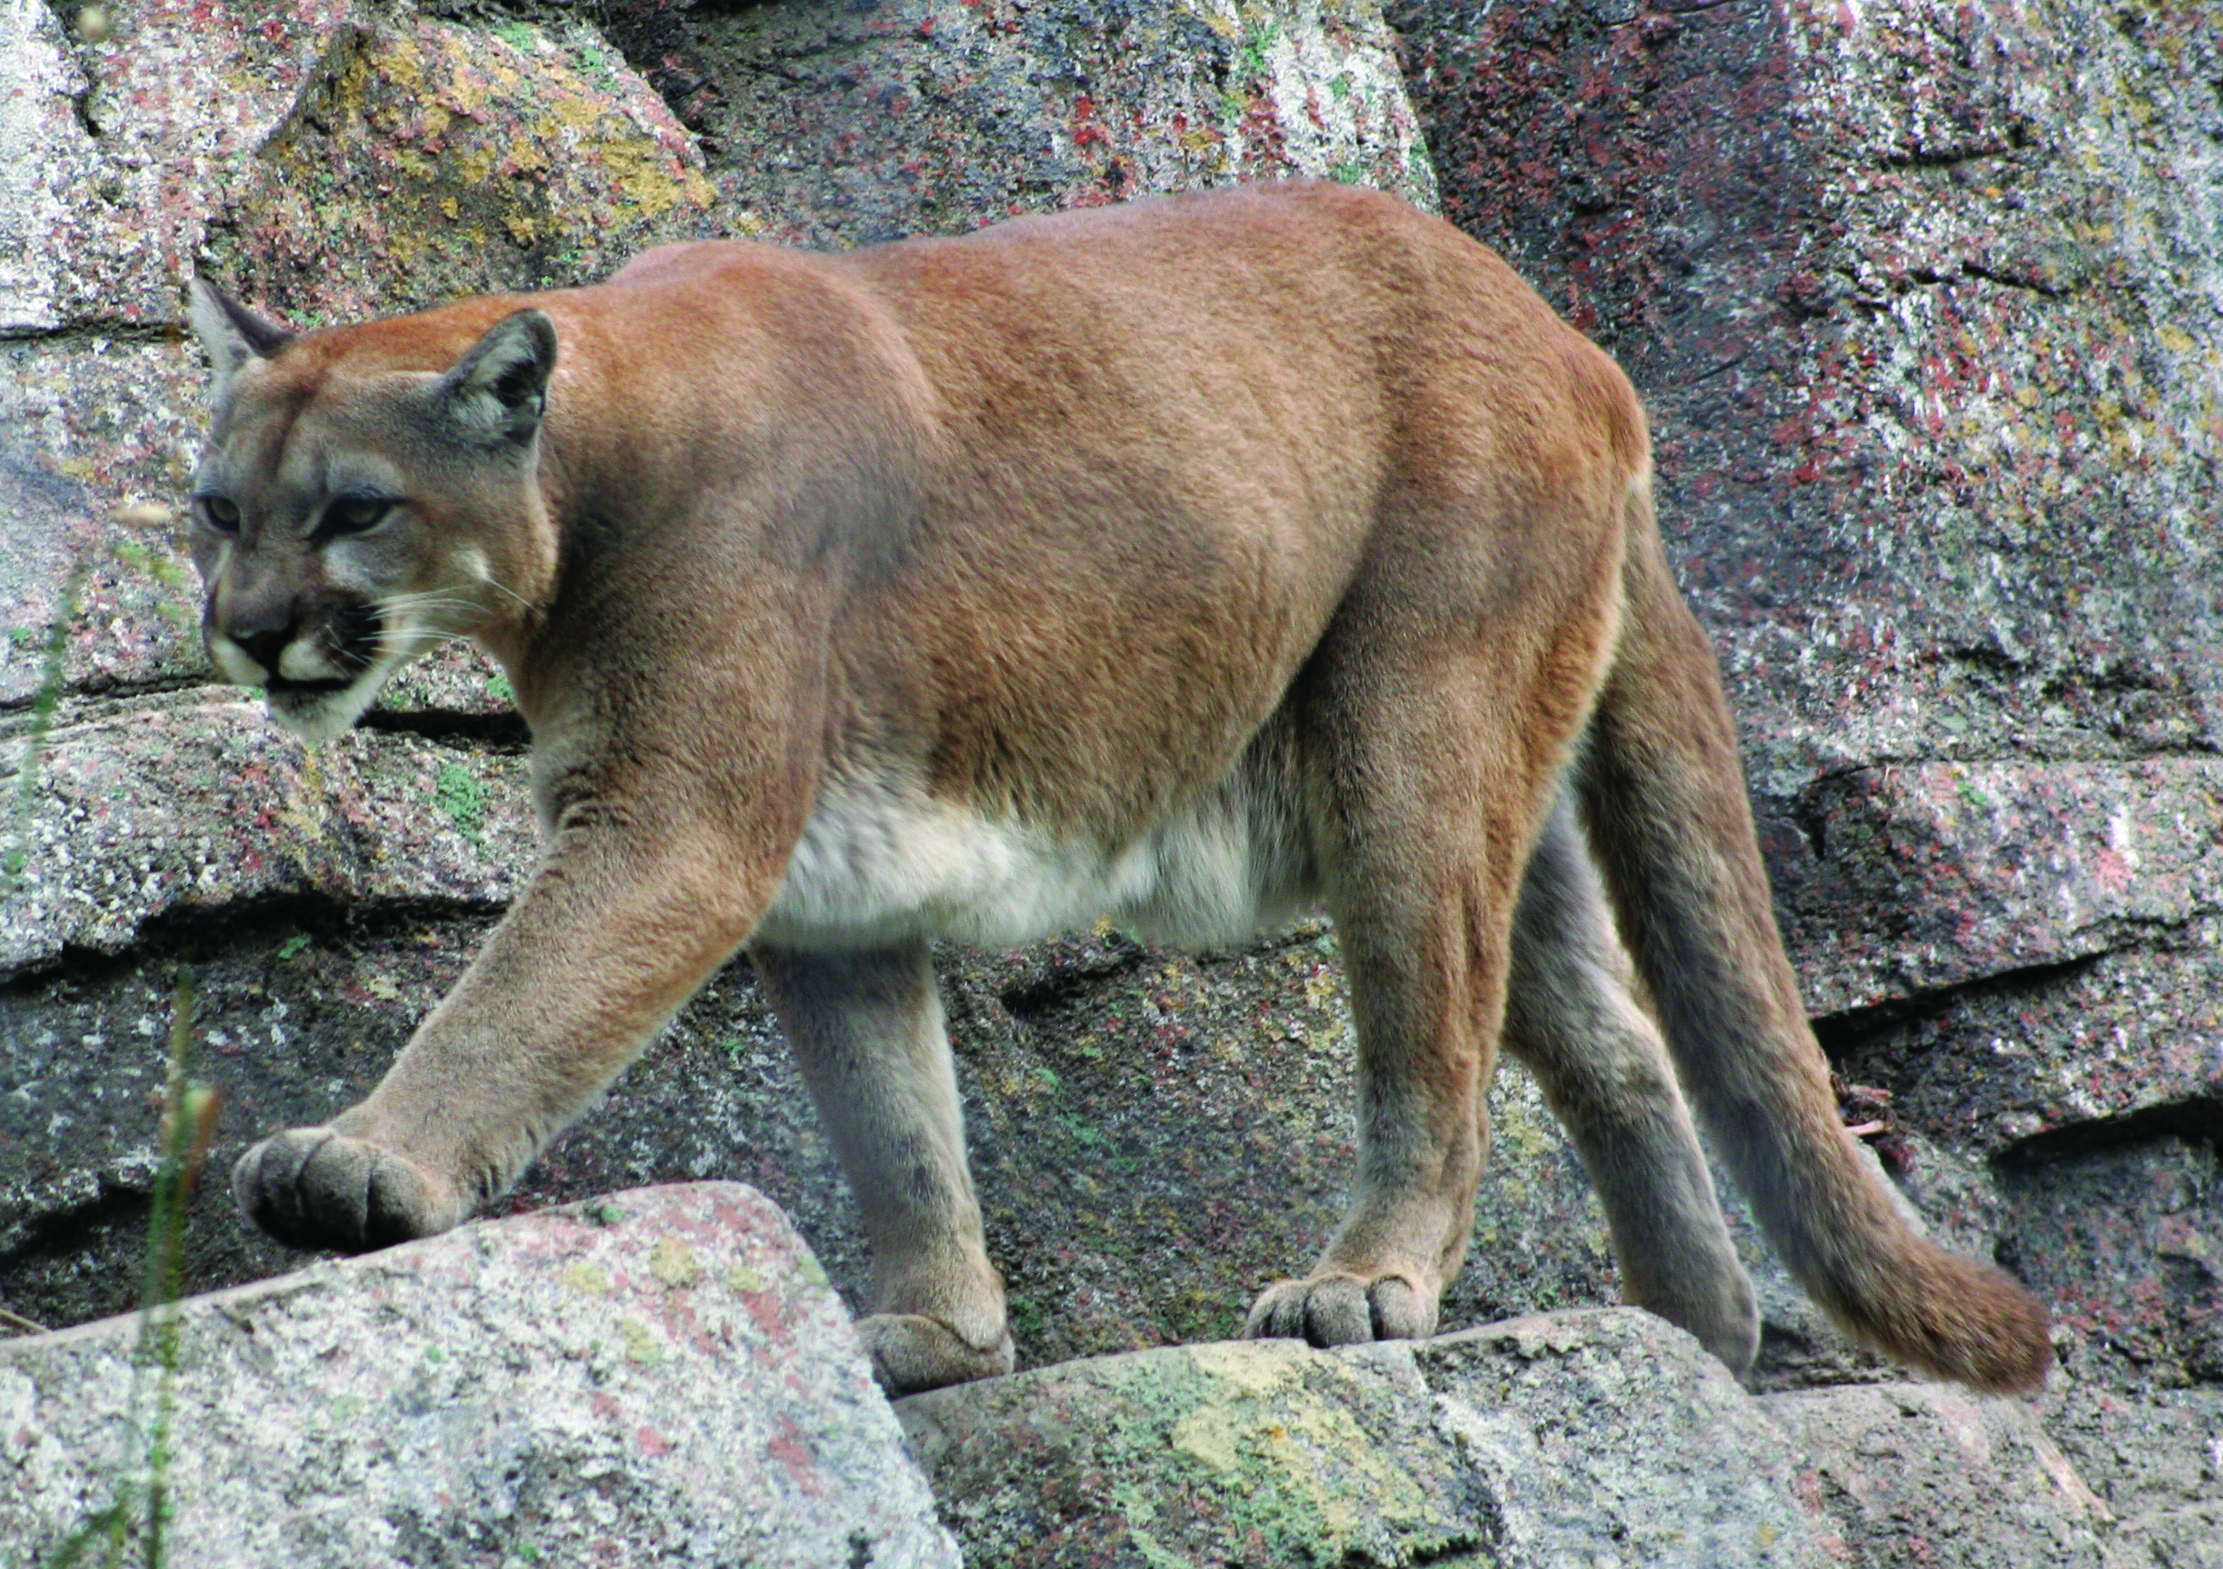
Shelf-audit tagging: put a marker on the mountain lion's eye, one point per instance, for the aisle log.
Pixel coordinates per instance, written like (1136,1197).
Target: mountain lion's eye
(353,514)
(219,514)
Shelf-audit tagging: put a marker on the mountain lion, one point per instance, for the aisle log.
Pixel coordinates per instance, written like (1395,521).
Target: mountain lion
(1193,562)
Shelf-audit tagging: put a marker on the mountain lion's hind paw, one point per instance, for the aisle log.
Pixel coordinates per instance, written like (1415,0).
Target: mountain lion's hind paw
(1341,1310)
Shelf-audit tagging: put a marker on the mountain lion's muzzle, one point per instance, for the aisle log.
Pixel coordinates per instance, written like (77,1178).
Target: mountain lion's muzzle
(290,645)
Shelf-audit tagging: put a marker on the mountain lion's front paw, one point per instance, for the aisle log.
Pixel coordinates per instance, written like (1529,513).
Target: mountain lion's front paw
(911,1352)
(1342,1310)
(314,1188)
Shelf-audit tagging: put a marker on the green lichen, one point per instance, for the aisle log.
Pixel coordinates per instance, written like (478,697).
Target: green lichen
(588,1279)
(673,1263)
(459,794)
(1271,1442)
(642,1348)
(1027,1316)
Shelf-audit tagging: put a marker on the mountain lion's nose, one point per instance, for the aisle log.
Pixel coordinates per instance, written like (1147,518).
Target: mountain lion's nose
(263,644)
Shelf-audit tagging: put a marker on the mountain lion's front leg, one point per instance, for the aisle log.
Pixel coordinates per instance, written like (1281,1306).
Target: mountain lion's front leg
(867,1031)
(620,925)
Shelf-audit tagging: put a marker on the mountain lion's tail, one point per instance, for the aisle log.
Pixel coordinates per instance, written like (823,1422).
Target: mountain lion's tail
(1664,796)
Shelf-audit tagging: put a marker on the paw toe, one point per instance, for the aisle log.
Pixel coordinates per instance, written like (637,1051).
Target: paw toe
(1398,1311)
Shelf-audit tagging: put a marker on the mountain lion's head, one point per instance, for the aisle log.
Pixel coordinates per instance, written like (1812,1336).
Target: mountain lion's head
(365,495)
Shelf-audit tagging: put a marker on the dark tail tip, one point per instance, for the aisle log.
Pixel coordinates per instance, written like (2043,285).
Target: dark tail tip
(1965,1321)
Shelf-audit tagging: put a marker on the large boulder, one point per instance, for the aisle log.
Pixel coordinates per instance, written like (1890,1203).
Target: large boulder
(1596,1438)
(662,1376)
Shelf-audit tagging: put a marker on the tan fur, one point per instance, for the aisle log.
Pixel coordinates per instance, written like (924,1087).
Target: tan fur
(1192,561)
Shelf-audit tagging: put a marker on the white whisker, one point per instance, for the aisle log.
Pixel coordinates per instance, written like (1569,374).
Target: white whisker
(490,579)
(406,603)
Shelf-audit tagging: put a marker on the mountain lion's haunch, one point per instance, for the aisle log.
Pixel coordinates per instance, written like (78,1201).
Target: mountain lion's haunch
(1192,562)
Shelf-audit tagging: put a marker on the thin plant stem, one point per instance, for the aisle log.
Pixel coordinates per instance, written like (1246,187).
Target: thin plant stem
(142,1504)
(21,1324)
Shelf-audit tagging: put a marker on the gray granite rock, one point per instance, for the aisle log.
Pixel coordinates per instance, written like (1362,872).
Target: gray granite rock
(1590,1438)
(171,805)
(424,159)
(1924,302)
(1925,1474)
(661,1377)
(115,124)
(1593,1438)
(2126,1240)
(830,123)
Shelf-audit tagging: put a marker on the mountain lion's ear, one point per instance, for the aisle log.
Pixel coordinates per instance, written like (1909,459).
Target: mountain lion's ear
(230,333)
(498,389)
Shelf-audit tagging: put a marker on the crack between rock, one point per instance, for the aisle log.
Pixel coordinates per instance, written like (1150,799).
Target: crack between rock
(1726,365)
(2026,757)
(1950,157)
(97,332)
(78,703)
(1848,1029)
(2198,1117)
(1031,1001)
(245,925)
(1970,269)
(505,732)
(58,1233)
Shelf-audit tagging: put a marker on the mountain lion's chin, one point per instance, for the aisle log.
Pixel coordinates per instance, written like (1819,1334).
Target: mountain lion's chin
(322,715)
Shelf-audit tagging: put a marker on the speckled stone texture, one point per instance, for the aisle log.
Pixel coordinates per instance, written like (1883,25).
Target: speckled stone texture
(1928,1474)
(1925,302)
(661,1377)
(1594,1438)
(828,122)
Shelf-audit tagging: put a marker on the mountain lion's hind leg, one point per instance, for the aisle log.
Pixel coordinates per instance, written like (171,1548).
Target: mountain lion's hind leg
(867,1032)
(1422,827)
(1605,1071)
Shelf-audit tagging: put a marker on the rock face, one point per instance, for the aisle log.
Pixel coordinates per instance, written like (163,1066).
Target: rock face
(660,1377)
(1921,1473)
(1924,305)
(1924,301)
(837,124)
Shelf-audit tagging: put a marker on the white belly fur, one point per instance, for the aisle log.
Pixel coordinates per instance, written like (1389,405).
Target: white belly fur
(883,862)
